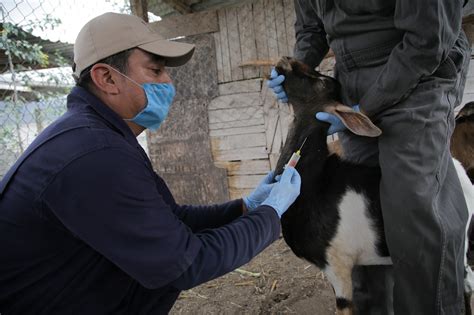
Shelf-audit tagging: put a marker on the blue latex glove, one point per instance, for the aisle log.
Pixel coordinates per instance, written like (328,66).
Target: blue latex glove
(336,123)
(275,84)
(259,194)
(284,192)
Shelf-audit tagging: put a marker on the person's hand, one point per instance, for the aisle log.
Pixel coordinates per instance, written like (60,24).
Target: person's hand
(285,191)
(259,194)
(336,123)
(275,84)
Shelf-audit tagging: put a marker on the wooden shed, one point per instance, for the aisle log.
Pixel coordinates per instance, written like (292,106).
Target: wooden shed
(225,129)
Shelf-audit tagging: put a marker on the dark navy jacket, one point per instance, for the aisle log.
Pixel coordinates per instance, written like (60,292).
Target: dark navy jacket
(87,226)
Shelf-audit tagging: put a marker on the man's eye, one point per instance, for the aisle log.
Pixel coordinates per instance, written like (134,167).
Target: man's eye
(157,71)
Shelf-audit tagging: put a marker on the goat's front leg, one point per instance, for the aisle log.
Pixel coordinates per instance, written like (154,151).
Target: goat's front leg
(339,273)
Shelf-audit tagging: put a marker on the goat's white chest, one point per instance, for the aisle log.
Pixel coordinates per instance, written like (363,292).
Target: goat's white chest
(356,235)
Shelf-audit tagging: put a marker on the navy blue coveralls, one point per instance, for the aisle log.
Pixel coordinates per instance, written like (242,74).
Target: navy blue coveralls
(87,226)
(404,62)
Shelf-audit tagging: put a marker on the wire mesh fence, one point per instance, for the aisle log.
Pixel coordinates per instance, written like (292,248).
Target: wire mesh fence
(36,55)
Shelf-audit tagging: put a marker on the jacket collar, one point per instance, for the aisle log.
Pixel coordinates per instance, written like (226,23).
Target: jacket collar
(81,98)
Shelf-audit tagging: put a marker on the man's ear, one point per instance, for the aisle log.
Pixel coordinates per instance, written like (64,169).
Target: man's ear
(356,122)
(104,78)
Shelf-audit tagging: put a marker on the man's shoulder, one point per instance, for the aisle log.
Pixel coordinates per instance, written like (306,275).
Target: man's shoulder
(71,137)
(80,131)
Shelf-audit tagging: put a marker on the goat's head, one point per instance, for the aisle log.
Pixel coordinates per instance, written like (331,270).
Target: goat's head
(310,92)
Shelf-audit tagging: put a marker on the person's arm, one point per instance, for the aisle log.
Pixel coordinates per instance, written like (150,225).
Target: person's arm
(431,28)
(110,201)
(280,198)
(311,43)
(201,217)
(231,246)
(211,216)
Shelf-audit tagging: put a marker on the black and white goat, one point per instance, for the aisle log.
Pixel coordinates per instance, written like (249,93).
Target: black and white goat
(336,222)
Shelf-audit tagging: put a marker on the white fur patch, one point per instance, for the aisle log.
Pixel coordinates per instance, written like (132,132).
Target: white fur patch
(336,282)
(355,236)
(468,190)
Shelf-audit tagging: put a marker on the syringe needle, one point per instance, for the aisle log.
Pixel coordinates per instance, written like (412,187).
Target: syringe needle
(302,144)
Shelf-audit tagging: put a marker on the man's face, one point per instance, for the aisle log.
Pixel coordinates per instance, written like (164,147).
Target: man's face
(143,68)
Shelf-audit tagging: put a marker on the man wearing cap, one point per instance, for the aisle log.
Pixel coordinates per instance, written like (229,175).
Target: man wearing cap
(86,225)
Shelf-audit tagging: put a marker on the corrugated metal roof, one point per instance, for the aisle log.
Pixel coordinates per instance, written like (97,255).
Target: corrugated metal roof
(48,47)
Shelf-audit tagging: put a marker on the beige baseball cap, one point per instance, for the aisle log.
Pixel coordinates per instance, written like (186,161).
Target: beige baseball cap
(111,33)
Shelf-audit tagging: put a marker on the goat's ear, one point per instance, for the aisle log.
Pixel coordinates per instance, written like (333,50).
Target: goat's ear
(356,122)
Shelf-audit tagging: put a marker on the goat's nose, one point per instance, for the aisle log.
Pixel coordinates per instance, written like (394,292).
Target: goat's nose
(284,64)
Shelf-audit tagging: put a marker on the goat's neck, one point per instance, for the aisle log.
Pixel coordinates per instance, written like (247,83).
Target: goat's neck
(314,155)
(314,152)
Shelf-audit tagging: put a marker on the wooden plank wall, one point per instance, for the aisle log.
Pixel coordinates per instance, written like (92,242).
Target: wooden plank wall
(263,29)
(246,124)
(187,25)
(237,132)
(247,128)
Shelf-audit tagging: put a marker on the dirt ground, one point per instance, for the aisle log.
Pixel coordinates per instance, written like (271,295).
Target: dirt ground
(274,282)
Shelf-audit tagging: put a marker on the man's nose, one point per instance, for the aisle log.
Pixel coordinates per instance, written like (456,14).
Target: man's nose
(166,77)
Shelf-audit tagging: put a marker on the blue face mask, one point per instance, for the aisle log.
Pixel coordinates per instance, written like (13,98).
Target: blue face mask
(159,98)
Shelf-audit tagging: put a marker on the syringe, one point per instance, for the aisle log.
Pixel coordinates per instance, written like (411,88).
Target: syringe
(295,157)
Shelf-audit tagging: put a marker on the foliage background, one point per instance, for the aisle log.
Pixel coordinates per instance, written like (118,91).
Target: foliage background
(36,39)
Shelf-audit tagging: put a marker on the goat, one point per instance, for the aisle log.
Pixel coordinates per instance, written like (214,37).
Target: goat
(337,197)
